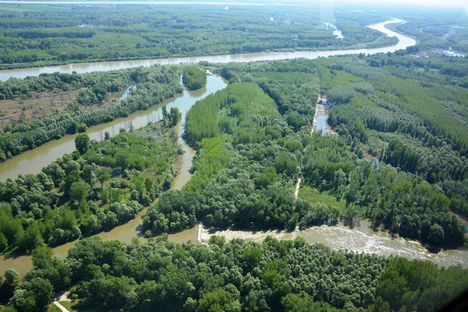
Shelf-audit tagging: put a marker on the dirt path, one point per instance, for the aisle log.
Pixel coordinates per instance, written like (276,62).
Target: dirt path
(60,306)
(298,186)
(61,297)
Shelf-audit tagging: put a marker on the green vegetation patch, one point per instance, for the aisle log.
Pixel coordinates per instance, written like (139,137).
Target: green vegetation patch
(314,196)
(96,188)
(145,87)
(194,77)
(234,276)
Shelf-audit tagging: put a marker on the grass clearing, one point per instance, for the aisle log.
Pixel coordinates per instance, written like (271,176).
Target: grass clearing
(313,196)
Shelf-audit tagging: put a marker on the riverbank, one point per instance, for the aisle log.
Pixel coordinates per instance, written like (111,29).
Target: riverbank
(360,239)
(132,229)
(80,68)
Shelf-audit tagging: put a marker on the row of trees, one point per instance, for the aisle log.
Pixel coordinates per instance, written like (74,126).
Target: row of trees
(424,98)
(251,116)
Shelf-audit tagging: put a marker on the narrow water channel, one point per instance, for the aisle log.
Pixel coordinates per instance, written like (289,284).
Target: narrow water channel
(320,121)
(34,160)
(358,240)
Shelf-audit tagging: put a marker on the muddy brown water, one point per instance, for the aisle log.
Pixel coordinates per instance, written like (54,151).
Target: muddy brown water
(360,239)
(403,43)
(34,160)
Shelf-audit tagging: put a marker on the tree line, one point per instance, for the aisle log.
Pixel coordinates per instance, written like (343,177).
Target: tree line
(59,34)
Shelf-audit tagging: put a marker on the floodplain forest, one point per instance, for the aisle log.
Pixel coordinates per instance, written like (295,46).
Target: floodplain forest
(394,158)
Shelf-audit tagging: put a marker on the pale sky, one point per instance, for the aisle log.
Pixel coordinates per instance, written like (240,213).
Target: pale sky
(431,3)
(394,3)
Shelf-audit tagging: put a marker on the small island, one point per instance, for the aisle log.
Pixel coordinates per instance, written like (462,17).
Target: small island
(194,78)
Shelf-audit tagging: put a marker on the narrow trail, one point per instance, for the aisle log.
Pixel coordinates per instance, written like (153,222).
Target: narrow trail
(61,297)
(60,306)
(298,186)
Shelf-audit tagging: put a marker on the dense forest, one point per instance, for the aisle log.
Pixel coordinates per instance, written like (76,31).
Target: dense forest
(409,113)
(39,35)
(96,100)
(94,189)
(398,157)
(194,77)
(254,142)
(376,114)
(289,276)
(233,181)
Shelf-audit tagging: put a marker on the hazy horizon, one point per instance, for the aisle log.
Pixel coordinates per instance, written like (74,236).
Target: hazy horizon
(396,3)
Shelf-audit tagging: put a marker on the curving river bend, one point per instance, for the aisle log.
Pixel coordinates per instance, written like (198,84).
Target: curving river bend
(403,43)
(335,237)
(34,160)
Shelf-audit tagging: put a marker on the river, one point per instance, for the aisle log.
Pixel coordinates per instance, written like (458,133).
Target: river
(35,159)
(360,239)
(32,161)
(403,43)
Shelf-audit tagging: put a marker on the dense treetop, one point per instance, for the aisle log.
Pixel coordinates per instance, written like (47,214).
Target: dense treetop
(91,106)
(95,188)
(194,77)
(235,276)
(42,35)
